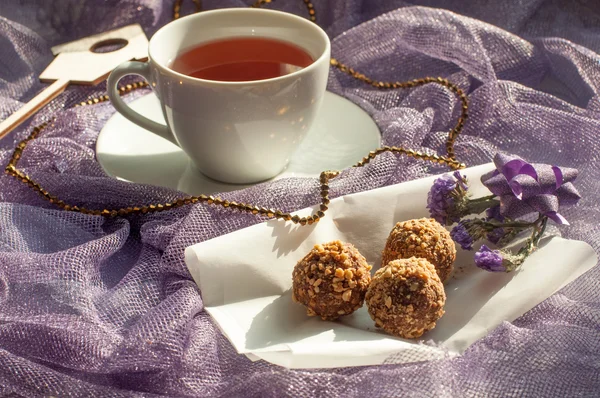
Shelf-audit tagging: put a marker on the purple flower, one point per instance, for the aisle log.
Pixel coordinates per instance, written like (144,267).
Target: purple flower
(495,235)
(493,213)
(525,188)
(440,201)
(462,180)
(489,260)
(461,236)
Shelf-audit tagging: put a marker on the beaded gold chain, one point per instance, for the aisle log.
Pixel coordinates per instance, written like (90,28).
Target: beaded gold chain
(177,7)
(325,177)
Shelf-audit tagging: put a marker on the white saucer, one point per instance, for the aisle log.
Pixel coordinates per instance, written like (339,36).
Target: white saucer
(341,135)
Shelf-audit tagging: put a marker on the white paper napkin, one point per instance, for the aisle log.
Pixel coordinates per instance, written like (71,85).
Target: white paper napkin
(245,279)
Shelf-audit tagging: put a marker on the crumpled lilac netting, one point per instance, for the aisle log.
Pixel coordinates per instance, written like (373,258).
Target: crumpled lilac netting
(95,307)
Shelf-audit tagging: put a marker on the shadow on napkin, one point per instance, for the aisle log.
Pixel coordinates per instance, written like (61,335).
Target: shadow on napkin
(283,245)
(285,322)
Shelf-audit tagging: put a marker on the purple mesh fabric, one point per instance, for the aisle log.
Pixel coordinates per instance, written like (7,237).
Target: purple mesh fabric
(95,307)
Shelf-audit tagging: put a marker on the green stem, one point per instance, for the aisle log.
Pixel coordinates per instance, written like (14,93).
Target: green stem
(541,230)
(478,206)
(482,199)
(536,235)
(539,227)
(522,225)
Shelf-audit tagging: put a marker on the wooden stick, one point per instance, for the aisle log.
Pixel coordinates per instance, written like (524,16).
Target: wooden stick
(47,95)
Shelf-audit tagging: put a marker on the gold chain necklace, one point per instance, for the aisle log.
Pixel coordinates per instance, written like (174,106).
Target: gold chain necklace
(325,177)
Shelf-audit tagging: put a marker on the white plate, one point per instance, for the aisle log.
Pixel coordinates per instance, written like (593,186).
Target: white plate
(341,135)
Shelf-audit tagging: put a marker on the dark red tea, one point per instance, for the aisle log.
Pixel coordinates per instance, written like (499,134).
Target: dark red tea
(242,59)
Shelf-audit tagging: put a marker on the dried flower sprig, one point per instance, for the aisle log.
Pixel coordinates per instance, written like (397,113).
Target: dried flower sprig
(518,189)
(448,200)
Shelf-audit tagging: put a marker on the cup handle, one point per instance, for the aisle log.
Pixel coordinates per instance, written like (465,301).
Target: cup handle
(142,69)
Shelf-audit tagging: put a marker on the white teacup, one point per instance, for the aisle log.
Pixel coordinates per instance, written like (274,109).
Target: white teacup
(236,132)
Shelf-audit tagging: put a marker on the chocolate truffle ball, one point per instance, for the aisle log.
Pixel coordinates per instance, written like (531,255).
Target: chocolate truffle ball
(406,297)
(331,280)
(425,238)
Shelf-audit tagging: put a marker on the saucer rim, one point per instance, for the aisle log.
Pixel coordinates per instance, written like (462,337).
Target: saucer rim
(100,139)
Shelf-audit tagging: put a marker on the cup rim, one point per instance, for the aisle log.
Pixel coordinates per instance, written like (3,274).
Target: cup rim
(204,14)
